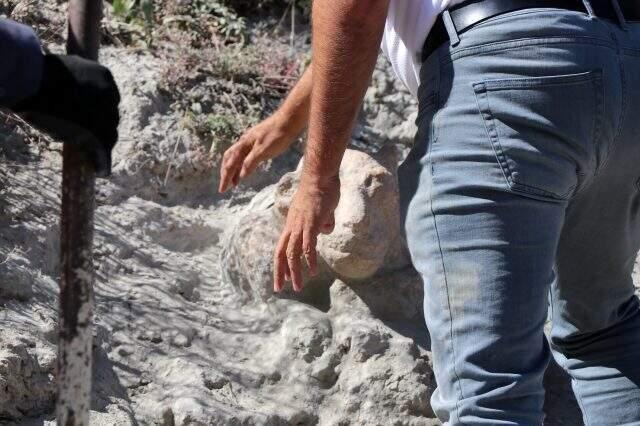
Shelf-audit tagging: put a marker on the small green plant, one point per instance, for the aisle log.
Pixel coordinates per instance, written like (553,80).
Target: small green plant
(227,22)
(222,126)
(124,9)
(222,131)
(216,131)
(138,12)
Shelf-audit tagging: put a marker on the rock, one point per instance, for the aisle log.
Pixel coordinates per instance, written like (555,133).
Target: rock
(395,295)
(26,376)
(181,337)
(380,370)
(17,277)
(168,418)
(388,112)
(247,257)
(368,342)
(114,416)
(187,410)
(153,336)
(325,370)
(187,286)
(214,380)
(308,336)
(367,232)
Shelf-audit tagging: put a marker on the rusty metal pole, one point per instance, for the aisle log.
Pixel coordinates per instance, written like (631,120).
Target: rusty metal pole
(76,240)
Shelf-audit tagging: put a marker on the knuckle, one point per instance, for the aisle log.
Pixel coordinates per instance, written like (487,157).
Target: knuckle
(249,159)
(230,159)
(293,253)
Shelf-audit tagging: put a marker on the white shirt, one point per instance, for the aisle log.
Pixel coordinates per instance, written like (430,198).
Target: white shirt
(406,29)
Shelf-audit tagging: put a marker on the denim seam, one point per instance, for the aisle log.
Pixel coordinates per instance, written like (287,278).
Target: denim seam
(446,285)
(492,133)
(492,47)
(596,133)
(480,89)
(623,113)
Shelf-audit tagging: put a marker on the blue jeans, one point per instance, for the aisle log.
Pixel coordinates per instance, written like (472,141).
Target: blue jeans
(523,190)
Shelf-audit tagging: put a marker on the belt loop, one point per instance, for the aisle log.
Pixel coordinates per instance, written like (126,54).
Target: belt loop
(587,5)
(623,21)
(451,28)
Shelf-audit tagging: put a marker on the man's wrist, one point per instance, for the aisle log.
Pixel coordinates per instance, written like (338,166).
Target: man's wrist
(287,123)
(314,179)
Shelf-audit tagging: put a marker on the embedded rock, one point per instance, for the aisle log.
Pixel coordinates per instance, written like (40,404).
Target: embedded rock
(247,257)
(27,383)
(367,233)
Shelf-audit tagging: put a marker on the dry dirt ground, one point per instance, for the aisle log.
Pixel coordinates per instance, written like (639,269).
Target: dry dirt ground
(175,342)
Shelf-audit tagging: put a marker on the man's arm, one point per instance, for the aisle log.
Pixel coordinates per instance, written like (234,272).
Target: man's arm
(295,108)
(269,138)
(346,39)
(21,64)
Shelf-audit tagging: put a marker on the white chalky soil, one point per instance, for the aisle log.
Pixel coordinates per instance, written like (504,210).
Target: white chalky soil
(173,342)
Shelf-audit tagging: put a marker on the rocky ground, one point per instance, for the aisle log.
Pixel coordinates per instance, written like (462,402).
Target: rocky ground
(186,329)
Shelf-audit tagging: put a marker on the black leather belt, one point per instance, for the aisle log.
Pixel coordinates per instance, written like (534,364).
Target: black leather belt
(469,13)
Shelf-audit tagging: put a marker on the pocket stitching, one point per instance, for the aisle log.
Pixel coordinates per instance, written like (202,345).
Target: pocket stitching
(597,125)
(543,81)
(513,184)
(481,90)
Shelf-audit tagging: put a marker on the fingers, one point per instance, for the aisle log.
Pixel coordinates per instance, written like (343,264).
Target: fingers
(280,267)
(231,163)
(309,241)
(294,252)
(311,212)
(249,164)
(227,172)
(287,260)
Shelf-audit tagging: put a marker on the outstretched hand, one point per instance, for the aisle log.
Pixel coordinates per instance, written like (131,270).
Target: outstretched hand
(311,213)
(262,142)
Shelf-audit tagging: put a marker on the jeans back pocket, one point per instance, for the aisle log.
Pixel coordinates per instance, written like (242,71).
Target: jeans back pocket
(543,129)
